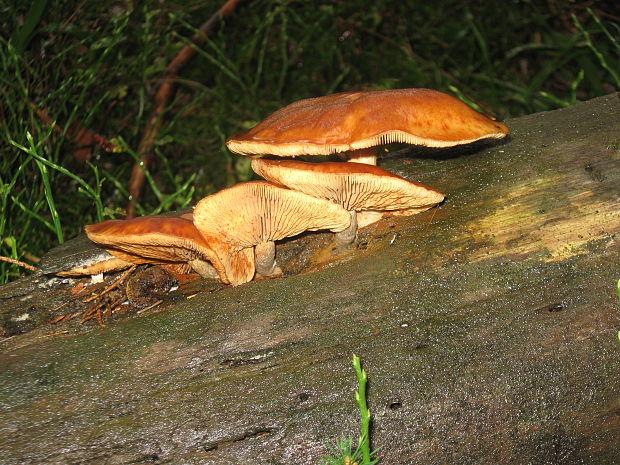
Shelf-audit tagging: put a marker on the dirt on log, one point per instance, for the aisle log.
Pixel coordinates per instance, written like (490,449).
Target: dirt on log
(488,328)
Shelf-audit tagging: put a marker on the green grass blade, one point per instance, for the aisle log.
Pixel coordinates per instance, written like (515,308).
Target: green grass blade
(49,196)
(21,38)
(33,214)
(49,193)
(601,57)
(47,163)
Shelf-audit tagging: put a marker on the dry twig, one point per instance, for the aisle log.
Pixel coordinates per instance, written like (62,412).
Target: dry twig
(150,307)
(65,331)
(114,285)
(162,98)
(18,263)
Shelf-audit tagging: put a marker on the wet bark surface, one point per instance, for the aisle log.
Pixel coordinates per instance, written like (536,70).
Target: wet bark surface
(487,327)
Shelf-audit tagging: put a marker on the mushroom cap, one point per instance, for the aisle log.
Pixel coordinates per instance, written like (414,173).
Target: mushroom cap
(93,268)
(355,186)
(238,218)
(357,120)
(154,239)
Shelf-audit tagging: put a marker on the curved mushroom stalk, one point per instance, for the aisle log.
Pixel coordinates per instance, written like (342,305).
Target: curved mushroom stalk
(367,156)
(345,238)
(237,263)
(265,259)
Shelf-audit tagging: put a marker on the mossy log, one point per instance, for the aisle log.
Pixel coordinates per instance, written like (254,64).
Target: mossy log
(487,327)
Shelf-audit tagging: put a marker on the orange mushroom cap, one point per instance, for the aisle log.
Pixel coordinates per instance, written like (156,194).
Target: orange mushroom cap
(243,216)
(153,239)
(355,186)
(357,120)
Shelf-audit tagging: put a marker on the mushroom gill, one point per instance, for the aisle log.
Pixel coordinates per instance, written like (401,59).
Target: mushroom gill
(354,186)
(157,239)
(242,222)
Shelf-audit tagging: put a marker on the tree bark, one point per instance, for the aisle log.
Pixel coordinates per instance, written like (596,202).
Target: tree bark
(487,326)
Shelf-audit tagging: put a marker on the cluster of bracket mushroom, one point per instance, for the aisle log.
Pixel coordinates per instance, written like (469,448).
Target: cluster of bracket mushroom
(231,234)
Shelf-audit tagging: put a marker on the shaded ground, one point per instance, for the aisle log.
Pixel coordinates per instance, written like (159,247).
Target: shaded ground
(487,327)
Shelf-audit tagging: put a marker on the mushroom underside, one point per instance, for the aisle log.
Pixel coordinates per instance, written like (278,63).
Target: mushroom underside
(104,266)
(367,156)
(237,262)
(197,264)
(242,222)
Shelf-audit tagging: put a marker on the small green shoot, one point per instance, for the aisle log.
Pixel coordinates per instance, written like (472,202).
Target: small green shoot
(619,301)
(343,452)
(360,397)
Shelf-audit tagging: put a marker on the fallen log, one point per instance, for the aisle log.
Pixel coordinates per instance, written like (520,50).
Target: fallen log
(487,327)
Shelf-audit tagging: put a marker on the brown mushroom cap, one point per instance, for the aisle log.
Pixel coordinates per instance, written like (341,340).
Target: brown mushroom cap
(238,218)
(357,120)
(152,239)
(355,186)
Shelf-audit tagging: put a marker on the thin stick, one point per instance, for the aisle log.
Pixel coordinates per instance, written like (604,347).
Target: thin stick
(99,316)
(111,286)
(73,315)
(162,98)
(149,307)
(65,331)
(119,308)
(60,306)
(91,313)
(58,319)
(18,263)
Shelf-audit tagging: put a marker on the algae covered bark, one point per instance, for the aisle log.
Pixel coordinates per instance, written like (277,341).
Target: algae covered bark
(489,325)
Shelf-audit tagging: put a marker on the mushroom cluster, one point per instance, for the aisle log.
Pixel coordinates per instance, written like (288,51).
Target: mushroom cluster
(231,234)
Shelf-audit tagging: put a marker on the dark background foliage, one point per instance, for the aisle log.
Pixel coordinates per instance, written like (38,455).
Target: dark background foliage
(96,66)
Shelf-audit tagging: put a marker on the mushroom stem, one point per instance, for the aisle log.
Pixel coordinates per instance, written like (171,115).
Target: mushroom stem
(204,268)
(347,236)
(367,156)
(265,259)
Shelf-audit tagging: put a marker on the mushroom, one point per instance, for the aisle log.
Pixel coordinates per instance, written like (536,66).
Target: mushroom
(103,263)
(172,242)
(354,186)
(242,222)
(353,124)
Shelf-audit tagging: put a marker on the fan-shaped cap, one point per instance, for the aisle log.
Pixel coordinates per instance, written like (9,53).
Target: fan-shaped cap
(355,186)
(240,217)
(152,239)
(357,120)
